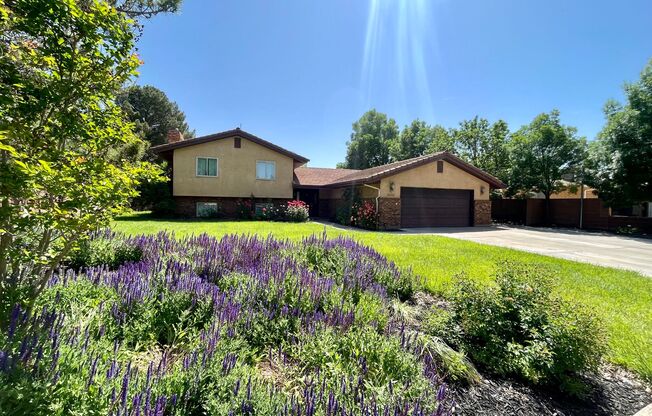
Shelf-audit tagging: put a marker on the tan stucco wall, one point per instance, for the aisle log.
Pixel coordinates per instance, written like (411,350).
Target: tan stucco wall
(364,191)
(426,176)
(236,171)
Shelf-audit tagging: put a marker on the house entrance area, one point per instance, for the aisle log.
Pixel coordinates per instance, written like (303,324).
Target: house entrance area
(310,197)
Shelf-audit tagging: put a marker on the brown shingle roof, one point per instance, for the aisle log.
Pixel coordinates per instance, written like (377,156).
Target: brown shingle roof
(304,176)
(374,174)
(226,134)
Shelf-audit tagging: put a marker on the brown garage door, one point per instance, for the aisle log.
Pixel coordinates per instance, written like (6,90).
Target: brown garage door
(423,207)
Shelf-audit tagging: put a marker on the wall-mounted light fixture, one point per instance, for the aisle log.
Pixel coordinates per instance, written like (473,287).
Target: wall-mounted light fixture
(391,187)
(482,190)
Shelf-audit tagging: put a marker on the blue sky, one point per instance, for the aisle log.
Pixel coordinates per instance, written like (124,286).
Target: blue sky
(300,72)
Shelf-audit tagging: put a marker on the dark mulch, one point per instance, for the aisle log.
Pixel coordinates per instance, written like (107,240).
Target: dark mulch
(613,392)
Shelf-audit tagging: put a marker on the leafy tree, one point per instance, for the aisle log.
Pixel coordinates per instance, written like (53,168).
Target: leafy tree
(442,140)
(145,8)
(620,162)
(63,170)
(496,159)
(370,141)
(543,151)
(472,140)
(152,113)
(414,140)
(484,145)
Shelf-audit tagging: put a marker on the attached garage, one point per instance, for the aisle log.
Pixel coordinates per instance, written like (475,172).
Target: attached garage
(436,190)
(425,207)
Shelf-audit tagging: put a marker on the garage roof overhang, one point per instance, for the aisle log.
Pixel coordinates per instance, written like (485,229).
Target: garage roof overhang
(374,174)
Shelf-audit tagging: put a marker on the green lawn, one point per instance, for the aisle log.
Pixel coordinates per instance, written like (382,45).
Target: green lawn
(623,299)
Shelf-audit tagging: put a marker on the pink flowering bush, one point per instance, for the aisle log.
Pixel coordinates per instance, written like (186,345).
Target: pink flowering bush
(296,211)
(364,215)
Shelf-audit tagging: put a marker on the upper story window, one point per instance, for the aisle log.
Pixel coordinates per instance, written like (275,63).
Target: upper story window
(206,166)
(266,170)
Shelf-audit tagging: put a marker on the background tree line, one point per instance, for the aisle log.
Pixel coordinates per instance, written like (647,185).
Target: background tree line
(377,140)
(537,156)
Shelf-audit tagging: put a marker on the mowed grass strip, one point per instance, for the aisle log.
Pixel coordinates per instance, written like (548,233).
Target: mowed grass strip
(623,299)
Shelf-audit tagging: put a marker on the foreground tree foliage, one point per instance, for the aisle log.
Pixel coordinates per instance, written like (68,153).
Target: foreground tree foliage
(145,8)
(541,153)
(620,163)
(64,170)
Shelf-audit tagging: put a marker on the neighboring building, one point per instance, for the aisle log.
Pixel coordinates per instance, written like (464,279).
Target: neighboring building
(219,170)
(572,191)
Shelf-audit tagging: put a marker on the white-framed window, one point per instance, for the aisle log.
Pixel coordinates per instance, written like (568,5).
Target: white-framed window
(206,166)
(265,170)
(207,209)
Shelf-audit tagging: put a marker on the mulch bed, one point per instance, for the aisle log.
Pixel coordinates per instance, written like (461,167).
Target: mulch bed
(614,391)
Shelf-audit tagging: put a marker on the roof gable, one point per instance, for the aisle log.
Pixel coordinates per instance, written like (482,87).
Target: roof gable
(378,172)
(227,134)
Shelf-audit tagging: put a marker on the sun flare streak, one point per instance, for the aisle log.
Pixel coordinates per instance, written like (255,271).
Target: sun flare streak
(400,41)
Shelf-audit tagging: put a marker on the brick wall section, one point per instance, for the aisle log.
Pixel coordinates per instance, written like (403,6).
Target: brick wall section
(481,212)
(186,206)
(389,210)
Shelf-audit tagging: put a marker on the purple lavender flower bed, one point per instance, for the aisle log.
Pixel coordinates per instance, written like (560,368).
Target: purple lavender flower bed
(235,326)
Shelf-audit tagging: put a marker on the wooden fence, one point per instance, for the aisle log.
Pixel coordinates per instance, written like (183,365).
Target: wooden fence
(565,213)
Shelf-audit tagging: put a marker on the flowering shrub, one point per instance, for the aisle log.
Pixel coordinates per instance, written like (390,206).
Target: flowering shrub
(296,211)
(364,215)
(238,325)
(267,212)
(244,209)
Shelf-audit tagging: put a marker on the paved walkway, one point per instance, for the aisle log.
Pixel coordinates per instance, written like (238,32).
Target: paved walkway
(597,248)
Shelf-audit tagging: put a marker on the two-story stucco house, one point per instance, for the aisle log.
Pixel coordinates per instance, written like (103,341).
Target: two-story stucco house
(221,169)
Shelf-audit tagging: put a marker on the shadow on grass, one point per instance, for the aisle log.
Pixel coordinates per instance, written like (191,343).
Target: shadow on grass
(149,217)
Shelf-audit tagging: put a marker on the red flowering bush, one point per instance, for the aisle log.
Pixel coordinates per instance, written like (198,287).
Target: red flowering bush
(244,209)
(364,215)
(296,211)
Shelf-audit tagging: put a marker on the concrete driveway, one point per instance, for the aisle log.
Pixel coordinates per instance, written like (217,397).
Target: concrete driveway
(596,248)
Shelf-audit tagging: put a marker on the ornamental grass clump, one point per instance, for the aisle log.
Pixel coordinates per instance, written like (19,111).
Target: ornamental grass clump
(238,325)
(520,328)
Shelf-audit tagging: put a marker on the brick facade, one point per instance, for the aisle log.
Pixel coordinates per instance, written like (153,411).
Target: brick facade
(389,211)
(186,206)
(481,212)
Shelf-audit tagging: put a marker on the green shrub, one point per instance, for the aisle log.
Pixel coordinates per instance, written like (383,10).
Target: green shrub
(373,362)
(171,318)
(103,252)
(336,262)
(518,327)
